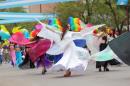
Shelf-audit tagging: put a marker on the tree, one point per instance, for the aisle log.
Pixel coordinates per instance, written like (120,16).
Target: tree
(65,10)
(118,15)
(94,11)
(82,9)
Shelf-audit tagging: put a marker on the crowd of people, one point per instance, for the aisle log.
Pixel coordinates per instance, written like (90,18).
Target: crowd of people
(19,56)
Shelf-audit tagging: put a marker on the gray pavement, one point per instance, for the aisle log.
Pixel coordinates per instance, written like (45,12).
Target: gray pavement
(118,76)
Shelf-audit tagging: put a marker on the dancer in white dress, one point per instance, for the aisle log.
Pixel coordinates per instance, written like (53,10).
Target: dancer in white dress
(74,58)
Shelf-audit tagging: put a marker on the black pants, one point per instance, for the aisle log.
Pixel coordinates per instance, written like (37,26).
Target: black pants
(103,64)
(25,61)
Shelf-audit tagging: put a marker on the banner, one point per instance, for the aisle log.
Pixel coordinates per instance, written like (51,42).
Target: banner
(122,2)
(11,15)
(18,20)
(21,3)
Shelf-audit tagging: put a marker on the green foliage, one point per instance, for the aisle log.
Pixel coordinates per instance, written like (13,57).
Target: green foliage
(65,10)
(96,11)
(92,11)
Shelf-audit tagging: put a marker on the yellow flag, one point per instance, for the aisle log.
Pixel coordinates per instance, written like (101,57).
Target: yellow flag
(4,29)
(16,29)
(6,43)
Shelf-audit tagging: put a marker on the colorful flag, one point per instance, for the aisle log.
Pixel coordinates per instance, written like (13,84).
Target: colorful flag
(39,48)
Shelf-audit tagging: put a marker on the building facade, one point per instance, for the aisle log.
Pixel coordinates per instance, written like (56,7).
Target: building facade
(43,8)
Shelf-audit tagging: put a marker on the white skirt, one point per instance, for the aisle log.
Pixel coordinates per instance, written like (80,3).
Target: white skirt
(74,58)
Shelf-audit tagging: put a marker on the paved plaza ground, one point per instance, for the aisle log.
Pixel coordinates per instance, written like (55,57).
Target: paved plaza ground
(118,76)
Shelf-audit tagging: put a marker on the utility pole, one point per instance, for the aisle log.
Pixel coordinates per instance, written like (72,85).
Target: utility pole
(40,8)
